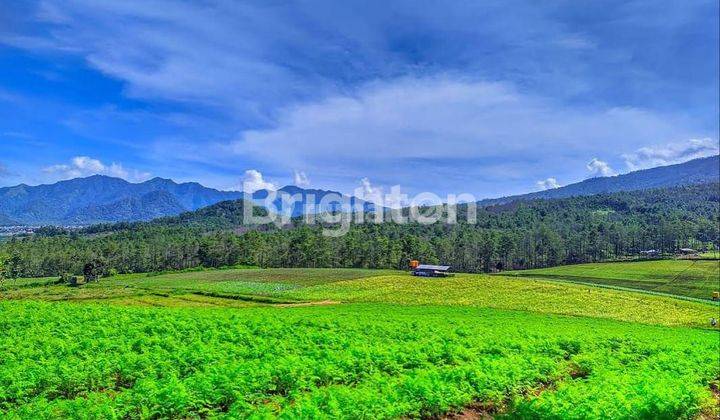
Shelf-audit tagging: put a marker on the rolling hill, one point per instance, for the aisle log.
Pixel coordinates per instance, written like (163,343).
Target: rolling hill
(103,199)
(308,200)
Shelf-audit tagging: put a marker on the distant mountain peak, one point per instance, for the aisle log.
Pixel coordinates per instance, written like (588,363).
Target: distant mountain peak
(159,180)
(102,198)
(294,189)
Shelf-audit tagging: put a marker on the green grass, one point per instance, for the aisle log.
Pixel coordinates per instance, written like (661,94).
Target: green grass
(65,360)
(347,343)
(27,282)
(710,254)
(517,294)
(229,283)
(691,278)
(289,276)
(294,286)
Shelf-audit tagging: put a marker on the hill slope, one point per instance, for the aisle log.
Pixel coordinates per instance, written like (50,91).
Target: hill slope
(697,171)
(97,199)
(308,201)
(6,221)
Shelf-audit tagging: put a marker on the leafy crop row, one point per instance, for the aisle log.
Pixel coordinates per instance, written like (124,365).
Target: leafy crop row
(353,361)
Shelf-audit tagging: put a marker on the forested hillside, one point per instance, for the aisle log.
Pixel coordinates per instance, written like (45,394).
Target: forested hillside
(530,234)
(103,199)
(696,171)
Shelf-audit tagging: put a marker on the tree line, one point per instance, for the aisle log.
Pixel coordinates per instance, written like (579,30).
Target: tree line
(518,235)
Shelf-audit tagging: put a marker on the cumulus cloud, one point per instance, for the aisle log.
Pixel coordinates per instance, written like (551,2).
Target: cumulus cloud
(253,181)
(422,124)
(367,187)
(369,192)
(82,166)
(548,184)
(598,167)
(301,179)
(672,153)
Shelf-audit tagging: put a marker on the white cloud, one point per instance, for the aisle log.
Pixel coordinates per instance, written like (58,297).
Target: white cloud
(548,184)
(181,51)
(672,153)
(598,167)
(83,166)
(253,181)
(301,179)
(422,124)
(367,187)
(369,192)
(233,56)
(223,52)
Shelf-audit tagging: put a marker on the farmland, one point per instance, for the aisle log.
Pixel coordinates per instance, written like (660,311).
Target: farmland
(691,278)
(244,287)
(715,255)
(351,343)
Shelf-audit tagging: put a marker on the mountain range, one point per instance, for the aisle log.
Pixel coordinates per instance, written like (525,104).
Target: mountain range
(103,199)
(96,199)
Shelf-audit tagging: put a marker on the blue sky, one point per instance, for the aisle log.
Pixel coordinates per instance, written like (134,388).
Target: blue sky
(488,98)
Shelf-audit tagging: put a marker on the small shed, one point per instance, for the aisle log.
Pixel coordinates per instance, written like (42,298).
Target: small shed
(687,251)
(427,270)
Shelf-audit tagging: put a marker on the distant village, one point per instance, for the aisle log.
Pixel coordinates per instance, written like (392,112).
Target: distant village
(26,230)
(16,230)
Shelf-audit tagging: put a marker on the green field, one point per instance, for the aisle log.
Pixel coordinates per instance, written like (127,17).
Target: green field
(691,278)
(347,343)
(710,254)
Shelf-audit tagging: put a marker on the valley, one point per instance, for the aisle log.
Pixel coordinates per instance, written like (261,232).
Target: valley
(359,210)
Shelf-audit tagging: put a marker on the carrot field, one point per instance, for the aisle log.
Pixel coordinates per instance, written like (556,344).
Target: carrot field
(315,343)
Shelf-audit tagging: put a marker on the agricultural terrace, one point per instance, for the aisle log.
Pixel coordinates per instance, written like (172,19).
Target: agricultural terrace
(347,343)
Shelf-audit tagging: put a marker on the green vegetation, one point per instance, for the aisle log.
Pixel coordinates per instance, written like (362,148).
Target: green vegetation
(353,361)
(692,278)
(518,294)
(350,343)
(713,255)
(246,284)
(102,339)
(243,287)
(517,235)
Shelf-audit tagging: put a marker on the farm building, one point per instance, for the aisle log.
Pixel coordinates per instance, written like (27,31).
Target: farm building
(426,270)
(687,251)
(650,253)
